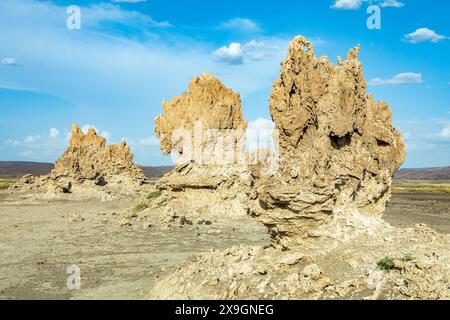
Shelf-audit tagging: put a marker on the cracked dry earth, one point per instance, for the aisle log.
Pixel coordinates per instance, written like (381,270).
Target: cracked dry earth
(119,258)
(122,257)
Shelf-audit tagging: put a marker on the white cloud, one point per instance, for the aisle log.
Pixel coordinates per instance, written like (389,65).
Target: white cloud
(128,1)
(105,134)
(54,133)
(231,54)
(422,35)
(346,4)
(85,128)
(259,134)
(150,141)
(31,139)
(241,24)
(356,4)
(401,78)
(97,14)
(13,142)
(445,133)
(259,50)
(392,3)
(9,61)
(237,53)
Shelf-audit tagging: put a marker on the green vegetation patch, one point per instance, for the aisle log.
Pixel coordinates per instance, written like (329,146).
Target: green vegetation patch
(153,195)
(421,188)
(386,263)
(6,183)
(407,258)
(139,207)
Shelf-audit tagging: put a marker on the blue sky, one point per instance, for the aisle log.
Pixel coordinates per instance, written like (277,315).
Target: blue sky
(129,56)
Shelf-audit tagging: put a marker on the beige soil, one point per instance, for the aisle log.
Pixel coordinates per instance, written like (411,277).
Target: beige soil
(39,240)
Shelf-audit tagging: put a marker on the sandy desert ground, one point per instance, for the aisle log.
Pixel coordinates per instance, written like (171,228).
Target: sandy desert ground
(39,240)
(119,260)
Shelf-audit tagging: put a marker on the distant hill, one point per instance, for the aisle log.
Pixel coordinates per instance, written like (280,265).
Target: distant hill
(156,172)
(436,174)
(17,169)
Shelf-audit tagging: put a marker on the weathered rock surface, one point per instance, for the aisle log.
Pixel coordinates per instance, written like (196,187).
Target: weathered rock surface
(338,152)
(421,270)
(193,125)
(87,166)
(90,158)
(338,148)
(209,174)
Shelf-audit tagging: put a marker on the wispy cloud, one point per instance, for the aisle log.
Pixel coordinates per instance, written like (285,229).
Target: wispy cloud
(105,134)
(54,133)
(392,3)
(10,61)
(346,4)
(237,53)
(240,24)
(128,1)
(423,35)
(356,4)
(97,15)
(26,153)
(401,78)
(445,133)
(149,141)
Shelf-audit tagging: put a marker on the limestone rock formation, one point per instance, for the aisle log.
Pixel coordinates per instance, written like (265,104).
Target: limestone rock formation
(204,128)
(88,157)
(338,148)
(338,151)
(88,163)
(204,124)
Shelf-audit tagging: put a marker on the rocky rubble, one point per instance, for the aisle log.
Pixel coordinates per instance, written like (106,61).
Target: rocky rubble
(88,167)
(349,271)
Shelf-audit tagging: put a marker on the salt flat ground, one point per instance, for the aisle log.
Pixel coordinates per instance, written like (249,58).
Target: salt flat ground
(39,240)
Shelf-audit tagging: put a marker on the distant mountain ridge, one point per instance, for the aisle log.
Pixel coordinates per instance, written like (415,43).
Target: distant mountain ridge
(432,174)
(17,169)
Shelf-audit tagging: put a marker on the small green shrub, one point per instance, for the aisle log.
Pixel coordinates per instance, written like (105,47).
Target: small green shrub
(6,183)
(139,207)
(407,258)
(153,195)
(386,263)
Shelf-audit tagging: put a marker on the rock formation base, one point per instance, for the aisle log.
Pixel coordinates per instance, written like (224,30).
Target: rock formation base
(89,168)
